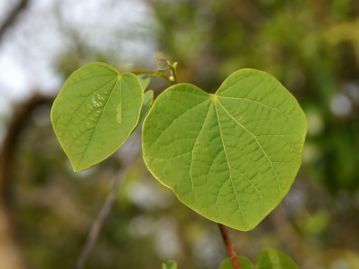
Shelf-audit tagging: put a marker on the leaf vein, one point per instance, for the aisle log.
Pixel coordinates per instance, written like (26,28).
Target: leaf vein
(194,145)
(228,164)
(256,140)
(99,118)
(175,119)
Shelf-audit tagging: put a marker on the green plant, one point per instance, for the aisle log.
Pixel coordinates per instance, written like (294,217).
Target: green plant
(268,259)
(169,265)
(231,155)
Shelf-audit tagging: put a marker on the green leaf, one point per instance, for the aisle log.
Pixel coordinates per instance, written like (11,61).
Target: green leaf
(243,261)
(145,81)
(147,103)
(231,156)
(273,259)
(95,112)
(169,265)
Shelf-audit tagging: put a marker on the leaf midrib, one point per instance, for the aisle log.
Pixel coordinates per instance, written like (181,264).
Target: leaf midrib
(99,119)
(256,140)
(86,99)
(228,164)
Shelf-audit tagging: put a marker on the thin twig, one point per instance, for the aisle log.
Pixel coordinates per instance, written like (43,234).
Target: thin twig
(12,16)
(106,208)
(99,221)
(229,246)
(151,73)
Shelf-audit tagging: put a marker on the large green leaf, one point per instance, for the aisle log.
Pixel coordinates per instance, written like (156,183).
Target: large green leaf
(95,112)
(273,259)
(231,156)
(243,261)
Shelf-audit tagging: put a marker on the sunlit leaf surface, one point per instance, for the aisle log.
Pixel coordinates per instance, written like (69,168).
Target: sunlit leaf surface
(95,112)
(231,156)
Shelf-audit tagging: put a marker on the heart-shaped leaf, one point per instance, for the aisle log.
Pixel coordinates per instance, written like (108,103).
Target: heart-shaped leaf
(243,261)
(95,112)
(231,156)
(273,259)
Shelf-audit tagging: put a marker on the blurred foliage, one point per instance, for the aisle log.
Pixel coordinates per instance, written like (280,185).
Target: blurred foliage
(311,46)
(244,262)
(169,265)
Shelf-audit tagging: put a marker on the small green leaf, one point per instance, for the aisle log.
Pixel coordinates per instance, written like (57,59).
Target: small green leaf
(169,265)
(95,112)
(274,259)
(147,103)
(145,81)
(231,156)
(243,261)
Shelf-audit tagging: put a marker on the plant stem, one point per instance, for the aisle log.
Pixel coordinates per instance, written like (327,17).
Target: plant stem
(151,73)
(142,71)
(13,15)
(99,222)
(107,206)
(229,246)
(170,68)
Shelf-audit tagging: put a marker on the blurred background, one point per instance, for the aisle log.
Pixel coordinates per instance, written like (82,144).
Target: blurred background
(46,210)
